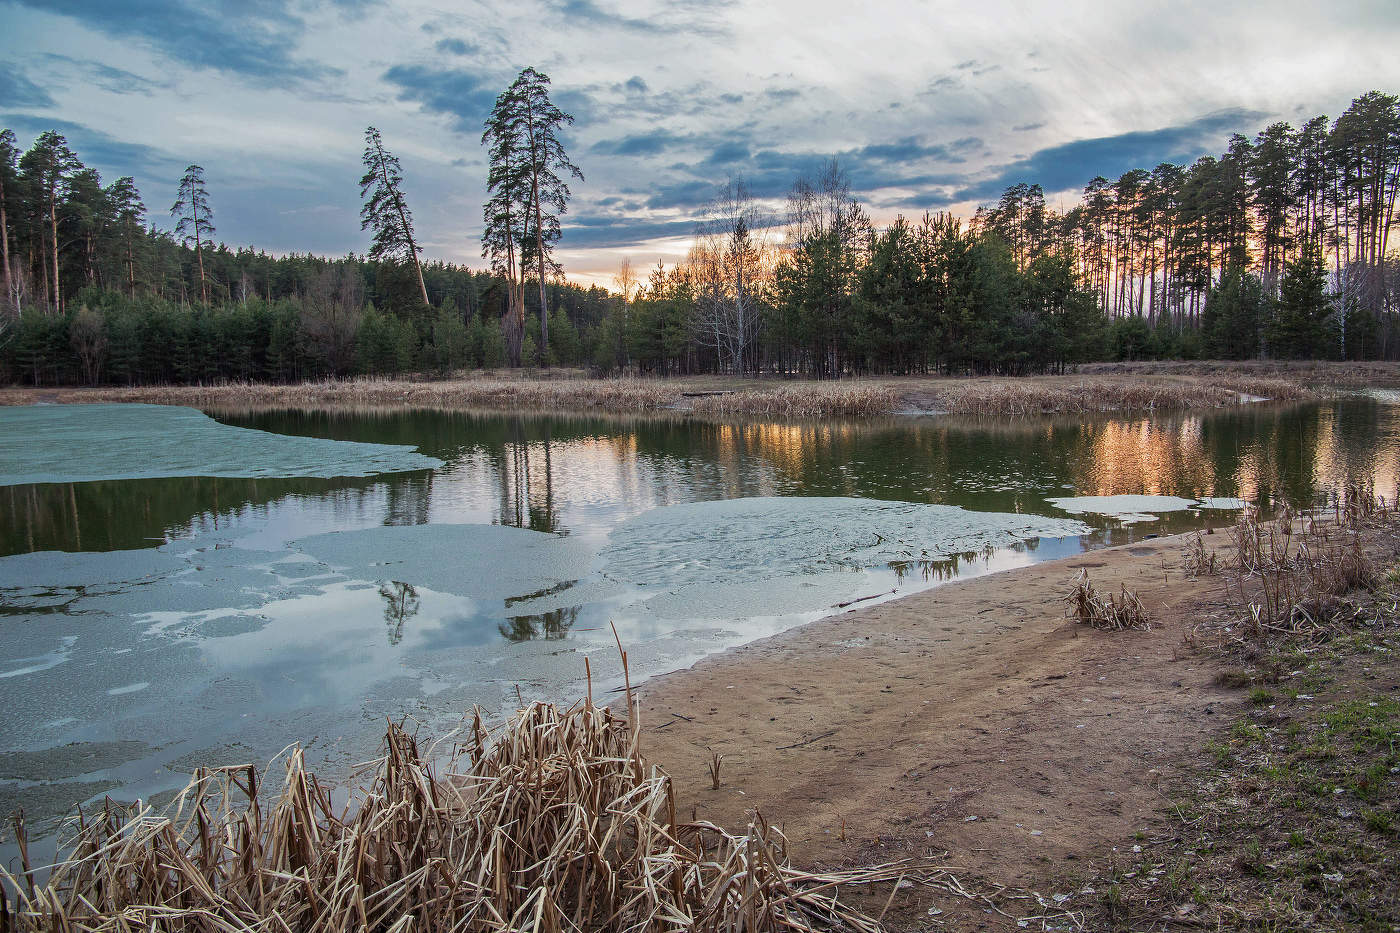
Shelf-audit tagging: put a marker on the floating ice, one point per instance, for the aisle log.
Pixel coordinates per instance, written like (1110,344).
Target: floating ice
(81,443)
(739,540)
(1136,508)
(476,561)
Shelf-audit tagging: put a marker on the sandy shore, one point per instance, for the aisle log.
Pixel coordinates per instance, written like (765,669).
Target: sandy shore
(973,718)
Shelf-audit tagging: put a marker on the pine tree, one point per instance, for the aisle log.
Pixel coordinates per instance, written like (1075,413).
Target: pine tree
(48,167)
(385,209)
(129,215)
(193,219)
(1303,328)
(527,159)
(9,159)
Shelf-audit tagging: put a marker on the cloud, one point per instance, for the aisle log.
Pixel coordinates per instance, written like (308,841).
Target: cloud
(691,19)
(108,78)
(610,231)
(465,96)
(454,46)
(1071,165)
(113,157)
(256,39)
(18,91)
(641,144)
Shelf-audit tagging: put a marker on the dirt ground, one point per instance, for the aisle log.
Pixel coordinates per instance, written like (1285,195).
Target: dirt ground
(973,719)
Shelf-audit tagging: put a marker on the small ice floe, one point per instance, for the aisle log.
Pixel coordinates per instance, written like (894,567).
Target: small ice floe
(1129,509)
(129,688)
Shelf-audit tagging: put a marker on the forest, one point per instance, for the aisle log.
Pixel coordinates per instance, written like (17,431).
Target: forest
(1276,248)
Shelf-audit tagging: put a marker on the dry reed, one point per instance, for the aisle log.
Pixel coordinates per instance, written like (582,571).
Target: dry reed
(1115,613)
(1291,573)
(1087,396)
(553,822)
(1199,560)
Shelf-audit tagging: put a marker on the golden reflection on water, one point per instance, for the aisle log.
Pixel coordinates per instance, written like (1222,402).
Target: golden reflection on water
(1142,456)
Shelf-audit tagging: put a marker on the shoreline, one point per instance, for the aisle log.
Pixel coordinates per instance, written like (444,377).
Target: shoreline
(1118,391)
(973,717)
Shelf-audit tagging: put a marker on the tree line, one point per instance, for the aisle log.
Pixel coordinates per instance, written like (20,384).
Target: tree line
(1277,247)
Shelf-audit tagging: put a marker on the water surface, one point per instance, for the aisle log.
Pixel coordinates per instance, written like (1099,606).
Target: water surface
(150,625)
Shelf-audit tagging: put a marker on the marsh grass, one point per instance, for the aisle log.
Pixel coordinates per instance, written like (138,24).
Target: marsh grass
(1087,395)
(771,397)
(553,822)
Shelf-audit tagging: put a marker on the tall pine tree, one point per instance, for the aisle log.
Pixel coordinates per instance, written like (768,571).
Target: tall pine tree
(193,219)
(385,209)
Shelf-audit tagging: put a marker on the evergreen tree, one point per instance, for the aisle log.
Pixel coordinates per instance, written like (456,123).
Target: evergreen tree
(193,219)
(1303,327)
(1233,316)
(526,183)
(47,168)
(9,175)
(385,209)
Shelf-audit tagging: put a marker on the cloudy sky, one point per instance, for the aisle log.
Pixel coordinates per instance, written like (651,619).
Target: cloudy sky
(929,105)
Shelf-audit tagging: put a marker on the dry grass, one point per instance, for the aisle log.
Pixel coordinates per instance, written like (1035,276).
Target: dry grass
(1319,374)
(558,391)
(805,400)
(1290,575)
(553,823)
(1114,613)
(1199,560)
(1088,395)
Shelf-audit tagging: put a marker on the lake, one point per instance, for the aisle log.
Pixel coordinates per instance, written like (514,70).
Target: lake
(180,590)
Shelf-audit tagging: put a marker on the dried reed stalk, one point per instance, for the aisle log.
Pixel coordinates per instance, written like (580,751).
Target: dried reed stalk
(1111,613)
(552,822)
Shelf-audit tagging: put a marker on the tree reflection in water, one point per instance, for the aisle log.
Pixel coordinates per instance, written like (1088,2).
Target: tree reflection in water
(549,626)
(401,603)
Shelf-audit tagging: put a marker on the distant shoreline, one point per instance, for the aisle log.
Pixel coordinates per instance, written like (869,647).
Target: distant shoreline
(1100,388)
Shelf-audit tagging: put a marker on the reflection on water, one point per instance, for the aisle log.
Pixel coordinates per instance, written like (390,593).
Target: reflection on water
(581,475)
(253,604)
(401,603)
(548,626)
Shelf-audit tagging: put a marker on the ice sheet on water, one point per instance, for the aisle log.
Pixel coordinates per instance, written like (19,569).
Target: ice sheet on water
(1138,508)
(81,443)
(476,561)
(762,538)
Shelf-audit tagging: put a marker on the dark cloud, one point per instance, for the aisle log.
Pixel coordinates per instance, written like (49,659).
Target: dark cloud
(636,85)
(465,96)
(610,231)
(1071,165)
(587,11)
(18,91)
(455,46)
(641,144)
(1027,127)
(256,39)
(112,157)
(686,18)
(116,80)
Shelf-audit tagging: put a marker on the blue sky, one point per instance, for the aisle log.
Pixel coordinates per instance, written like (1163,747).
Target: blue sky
(929,105)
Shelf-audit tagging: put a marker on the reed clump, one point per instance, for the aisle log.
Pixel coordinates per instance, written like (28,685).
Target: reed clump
(553,822)
(1091,395)
(1115,612)
(805,400)
(1199,560)
(1291,575)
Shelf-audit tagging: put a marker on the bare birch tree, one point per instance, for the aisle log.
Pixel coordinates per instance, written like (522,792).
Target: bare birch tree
(730,266)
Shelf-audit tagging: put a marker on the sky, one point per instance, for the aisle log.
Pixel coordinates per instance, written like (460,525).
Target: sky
(928,105)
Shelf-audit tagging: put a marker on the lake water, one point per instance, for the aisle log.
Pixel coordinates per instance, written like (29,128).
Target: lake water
(177,590)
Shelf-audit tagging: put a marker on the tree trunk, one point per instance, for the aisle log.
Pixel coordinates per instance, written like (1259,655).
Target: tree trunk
(5,249)
(53,226)
(407,230)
